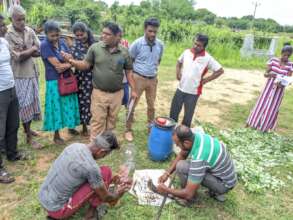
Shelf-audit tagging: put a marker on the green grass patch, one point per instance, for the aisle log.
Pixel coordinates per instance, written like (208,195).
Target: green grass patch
(241,202)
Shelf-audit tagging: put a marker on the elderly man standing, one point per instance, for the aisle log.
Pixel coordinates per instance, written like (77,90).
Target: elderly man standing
(25,46)
(109,60)
(146,53)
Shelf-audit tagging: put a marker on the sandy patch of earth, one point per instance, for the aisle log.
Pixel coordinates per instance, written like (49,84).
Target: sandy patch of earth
(234,87)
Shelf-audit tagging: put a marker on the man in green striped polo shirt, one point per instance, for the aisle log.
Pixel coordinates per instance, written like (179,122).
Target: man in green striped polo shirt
(203,160)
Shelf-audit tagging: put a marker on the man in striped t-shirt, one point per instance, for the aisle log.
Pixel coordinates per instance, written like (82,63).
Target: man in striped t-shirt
(203,160)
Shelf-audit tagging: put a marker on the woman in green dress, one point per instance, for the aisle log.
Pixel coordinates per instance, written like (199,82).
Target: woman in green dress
(60,111)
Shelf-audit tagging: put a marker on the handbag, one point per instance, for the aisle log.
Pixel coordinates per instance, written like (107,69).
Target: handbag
(67,83)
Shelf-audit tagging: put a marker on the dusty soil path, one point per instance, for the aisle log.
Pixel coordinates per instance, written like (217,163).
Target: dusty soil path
(234,87)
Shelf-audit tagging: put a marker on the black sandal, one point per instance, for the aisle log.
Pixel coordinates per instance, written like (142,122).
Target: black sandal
(73,132)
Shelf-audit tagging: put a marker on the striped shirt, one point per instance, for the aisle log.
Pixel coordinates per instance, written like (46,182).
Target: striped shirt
(209,155)
(275,66)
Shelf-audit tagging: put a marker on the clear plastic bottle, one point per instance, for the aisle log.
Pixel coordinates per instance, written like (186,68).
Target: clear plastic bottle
(128,166)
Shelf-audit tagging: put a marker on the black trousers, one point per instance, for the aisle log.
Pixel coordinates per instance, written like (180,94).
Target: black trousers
(189,101)
(9,123)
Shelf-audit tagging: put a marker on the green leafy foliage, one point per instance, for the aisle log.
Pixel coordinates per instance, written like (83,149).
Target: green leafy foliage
(258,157)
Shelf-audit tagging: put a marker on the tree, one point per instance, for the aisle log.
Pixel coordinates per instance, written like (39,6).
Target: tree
(89,13)
(177,9)
(204,15)
(40,12)
(220,22)
(236,23)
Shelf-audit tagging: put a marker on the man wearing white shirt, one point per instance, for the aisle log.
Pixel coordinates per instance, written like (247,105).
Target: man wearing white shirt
(9,119)
(191,70)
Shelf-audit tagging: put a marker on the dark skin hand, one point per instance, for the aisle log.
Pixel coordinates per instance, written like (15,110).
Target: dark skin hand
(26,54)
(78,64)
(60,67)
(190,189)
(205,80)
(186,193)
(178,70)
(84,65)
(112,198)
(269,74)
(181,156)
(215,75)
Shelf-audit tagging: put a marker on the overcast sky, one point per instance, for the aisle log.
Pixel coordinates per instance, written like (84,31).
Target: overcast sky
(279,10)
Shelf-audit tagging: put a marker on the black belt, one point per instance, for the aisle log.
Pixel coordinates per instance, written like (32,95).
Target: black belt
(108,91)
(147,77)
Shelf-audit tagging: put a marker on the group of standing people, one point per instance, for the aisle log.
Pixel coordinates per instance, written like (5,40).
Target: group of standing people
(19,89)
(105,70)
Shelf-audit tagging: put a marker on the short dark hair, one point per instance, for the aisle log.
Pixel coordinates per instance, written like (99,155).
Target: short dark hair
(151,22)
(184,133)
(113,27)
(51,26)
(202,38)
(82,27)
(287,48)
(111,138)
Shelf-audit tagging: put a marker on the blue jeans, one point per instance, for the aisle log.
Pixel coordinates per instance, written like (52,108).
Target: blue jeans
(125,98)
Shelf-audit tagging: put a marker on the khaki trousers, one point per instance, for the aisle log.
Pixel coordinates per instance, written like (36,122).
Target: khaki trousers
(149,86)
(105,107)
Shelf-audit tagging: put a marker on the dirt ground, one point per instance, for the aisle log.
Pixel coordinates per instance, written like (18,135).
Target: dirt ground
(233,87)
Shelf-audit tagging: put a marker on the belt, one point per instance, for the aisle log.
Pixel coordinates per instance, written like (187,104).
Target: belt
(146,77)
(109,91)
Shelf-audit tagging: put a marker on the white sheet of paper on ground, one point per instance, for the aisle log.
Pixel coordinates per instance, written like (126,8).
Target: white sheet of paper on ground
(177,149)
(285,80)
(140,187)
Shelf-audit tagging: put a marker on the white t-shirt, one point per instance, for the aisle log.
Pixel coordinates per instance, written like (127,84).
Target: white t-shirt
(6,74)
(193,70)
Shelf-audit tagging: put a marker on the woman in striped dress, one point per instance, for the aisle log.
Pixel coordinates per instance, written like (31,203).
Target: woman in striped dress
(264,114)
